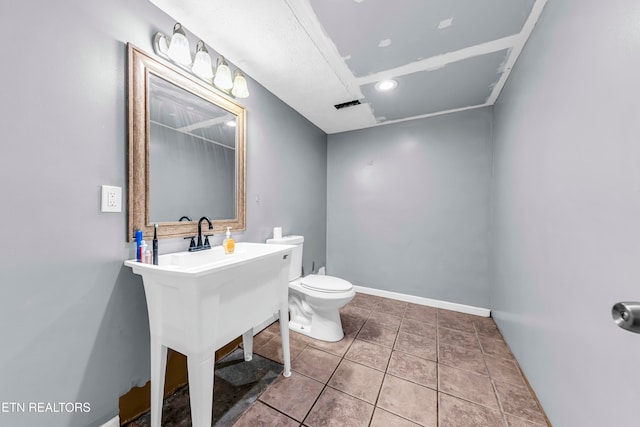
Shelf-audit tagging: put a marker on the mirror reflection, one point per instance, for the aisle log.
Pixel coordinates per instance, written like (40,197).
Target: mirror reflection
(192,144)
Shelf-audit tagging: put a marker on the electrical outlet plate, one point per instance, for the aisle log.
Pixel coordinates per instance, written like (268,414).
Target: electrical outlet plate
(111,199)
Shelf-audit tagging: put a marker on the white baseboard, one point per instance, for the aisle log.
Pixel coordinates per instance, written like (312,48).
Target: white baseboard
(469,309)
(113,422)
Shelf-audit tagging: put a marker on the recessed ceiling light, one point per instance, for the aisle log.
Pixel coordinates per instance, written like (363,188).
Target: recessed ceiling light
(385,85)
(231,123)
(384,43)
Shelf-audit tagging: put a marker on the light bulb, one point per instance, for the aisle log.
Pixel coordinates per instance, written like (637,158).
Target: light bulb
(223,75)
(240,89)
(202,63)
(179,46)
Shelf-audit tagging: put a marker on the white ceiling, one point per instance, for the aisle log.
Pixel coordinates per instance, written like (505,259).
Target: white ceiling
(447,55)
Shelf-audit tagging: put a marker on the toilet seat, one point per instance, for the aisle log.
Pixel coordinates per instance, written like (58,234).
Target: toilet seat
(328,284)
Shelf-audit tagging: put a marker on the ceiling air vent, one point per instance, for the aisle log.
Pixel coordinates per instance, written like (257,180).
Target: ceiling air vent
(347,104)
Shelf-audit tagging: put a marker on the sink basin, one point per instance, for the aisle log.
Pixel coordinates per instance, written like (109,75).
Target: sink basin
(200,301)
(206,261)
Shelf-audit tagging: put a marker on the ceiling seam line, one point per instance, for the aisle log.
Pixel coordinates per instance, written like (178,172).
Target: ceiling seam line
(437,113)
(517,48)
(350,87)
(442,60)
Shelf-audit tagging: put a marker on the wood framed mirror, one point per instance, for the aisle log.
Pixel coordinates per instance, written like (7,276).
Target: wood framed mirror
(187,152)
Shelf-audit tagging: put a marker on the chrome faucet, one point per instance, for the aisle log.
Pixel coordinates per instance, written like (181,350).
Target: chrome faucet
(200,245)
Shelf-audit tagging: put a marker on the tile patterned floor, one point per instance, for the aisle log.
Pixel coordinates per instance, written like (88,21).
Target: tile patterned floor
(399,364)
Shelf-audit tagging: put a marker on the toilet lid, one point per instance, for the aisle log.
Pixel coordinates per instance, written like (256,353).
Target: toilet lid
(320,283)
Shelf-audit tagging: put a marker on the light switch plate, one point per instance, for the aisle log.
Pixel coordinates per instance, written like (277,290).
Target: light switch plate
(111,199)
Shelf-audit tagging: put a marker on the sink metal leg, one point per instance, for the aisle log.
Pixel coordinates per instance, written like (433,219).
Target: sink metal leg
(284,333)
(247,345)
(200,371)
(158,369)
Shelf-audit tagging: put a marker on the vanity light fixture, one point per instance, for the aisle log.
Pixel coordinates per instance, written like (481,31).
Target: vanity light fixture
(177,51)
(240,89)
(202,63)
(386,85)
(223,75)
(179,47)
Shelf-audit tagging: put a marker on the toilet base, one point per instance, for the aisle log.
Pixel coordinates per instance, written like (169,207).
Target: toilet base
(330,331)
(318,318)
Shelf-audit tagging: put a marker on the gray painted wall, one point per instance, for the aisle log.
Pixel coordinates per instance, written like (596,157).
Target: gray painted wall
(74,320)
(408,206)
(286,174)
(567,210)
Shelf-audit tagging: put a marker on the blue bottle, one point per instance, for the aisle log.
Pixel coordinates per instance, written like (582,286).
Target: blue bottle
(138,243)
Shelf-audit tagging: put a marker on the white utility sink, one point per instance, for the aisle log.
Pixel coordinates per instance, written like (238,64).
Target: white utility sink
(200,301)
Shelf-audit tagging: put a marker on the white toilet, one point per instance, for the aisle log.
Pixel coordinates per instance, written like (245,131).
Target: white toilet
(314,300)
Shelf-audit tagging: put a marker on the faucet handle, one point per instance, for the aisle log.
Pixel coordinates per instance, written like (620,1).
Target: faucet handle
(207,245)
(192,245)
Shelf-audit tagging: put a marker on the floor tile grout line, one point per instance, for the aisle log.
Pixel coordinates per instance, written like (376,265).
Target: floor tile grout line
(486,367)
(531,394)
(314,402)
(471,401)
(386,369)
(365,365)
(413,382)
(354,339)
(495,391)
(272,407)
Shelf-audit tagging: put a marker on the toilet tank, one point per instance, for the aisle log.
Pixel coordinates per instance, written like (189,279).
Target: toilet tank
(295,268)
